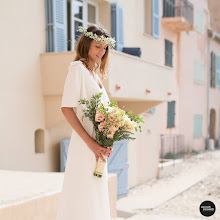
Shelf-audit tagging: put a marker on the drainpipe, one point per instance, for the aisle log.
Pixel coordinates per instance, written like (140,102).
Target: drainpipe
(209,83)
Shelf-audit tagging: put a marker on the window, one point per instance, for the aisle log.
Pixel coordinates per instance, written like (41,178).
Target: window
(117,25)
(56,27)
(168,53)
(198,72)
(91,13)
(171,114)
(212,78)
(63,19)
(215,70)
(152,21)
(199,21)
(83,13)
(197,126)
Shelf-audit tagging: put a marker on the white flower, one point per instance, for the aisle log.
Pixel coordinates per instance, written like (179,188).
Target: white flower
(107,40)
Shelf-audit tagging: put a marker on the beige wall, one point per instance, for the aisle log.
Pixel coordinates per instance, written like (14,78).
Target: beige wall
(22,113)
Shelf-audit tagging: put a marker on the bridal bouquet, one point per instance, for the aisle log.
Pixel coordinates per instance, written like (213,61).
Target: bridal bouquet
(110,124)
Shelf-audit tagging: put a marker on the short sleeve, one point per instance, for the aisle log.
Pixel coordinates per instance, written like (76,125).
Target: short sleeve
(72,86)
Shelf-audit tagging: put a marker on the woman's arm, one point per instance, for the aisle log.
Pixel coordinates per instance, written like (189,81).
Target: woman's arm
(74,122)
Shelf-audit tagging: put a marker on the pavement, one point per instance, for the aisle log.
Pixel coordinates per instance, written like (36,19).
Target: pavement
(156,192)
(139,202)
(159,217)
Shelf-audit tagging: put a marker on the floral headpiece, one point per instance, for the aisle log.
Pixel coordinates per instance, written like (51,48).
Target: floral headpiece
(107,40)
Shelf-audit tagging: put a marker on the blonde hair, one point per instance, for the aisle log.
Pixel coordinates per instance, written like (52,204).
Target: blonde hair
(83,45)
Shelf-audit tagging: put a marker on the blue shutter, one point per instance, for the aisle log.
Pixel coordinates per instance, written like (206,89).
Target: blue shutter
(171,114)
(56,25)
(155,18)
(64,145)
(118,163)
(117,25)
(168,53)
(217,71)
(212,80)
(197,126)
(198,72)
(199,20)
(49,42)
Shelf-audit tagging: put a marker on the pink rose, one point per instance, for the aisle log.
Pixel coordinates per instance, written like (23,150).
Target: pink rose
(102,126)
(110,121)
(110,135)
(99,116)
(115,125)
(113,129)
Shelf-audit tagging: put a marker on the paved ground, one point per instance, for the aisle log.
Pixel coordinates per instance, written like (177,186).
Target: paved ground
(177,196)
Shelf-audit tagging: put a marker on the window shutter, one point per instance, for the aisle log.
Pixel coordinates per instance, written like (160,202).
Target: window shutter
(155,18)
(117,25)
(212,69)
(171,114)
(198,72)
(168,53)
(56,25)
(197,126)
(217,71)
(199,20)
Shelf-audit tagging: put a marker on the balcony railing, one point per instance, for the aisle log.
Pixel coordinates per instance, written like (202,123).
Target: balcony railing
(178,8)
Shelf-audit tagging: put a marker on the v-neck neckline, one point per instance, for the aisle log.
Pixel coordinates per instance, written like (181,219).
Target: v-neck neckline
(93,77)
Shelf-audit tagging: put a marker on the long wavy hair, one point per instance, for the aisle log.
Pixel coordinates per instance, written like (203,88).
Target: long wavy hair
(82,49)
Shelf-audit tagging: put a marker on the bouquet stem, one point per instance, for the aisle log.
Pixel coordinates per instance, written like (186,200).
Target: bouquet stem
(100,165)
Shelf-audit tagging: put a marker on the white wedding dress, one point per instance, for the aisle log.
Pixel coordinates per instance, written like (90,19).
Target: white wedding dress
(84,196)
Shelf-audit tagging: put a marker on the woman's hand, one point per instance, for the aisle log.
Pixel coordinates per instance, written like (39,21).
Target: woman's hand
(98,150)
(73,120)
(110,151)
(106,151)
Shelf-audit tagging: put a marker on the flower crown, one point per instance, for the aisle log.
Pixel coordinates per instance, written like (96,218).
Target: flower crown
(108,40)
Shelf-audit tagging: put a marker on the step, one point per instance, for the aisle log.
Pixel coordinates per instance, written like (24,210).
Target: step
(34,195)
(169,167)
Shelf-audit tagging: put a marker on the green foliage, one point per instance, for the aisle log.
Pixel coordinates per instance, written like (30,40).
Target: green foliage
(194,152)
(101,137)
(170,155)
